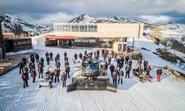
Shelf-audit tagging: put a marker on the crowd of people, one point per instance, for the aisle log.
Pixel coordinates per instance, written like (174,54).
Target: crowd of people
(120,67)
(54,74)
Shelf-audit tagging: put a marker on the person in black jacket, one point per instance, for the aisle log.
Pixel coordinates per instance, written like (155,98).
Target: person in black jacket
(127,70)
(33,74)
(80,55)
(85,52)
(75,56)
(21,65)
(40,70)
(67,70)
(47,59)
(37,57)
(32,58)
(65,54)
(46,54)
(130,62)
(24,60)
(25,69)
(51,55)
(111,68)
(126,59)
(42,61)
(25,81)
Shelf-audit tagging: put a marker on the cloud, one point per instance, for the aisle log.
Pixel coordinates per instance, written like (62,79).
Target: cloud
(160,19)
(40,9)
(54,18)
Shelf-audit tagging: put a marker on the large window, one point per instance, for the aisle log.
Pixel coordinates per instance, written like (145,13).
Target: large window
(76,27)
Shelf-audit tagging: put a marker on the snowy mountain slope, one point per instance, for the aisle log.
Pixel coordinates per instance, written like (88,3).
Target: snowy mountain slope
(174,31)
(17,25)
(154,59)
(84,18)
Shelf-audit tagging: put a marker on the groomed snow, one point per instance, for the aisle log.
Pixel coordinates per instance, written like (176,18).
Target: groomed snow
(168,95)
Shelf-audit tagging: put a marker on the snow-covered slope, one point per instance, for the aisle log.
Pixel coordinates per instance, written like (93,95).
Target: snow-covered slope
(132,95)
(173,30)
(17,25)
(84,18)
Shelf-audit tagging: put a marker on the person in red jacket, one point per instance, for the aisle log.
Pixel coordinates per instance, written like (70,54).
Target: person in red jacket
(159,73)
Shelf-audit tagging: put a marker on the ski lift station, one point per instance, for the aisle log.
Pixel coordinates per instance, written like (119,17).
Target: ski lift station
(89,34)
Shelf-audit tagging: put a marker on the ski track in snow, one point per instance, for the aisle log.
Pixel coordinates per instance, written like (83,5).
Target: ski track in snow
(168,95)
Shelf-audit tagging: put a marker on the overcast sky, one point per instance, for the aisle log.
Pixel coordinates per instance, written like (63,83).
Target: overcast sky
(43,11)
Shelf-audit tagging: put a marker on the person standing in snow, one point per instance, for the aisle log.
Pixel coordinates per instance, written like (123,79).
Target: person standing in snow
(31,66)
(75,56)
(130,63)
(46,54)
(127,70)
(145,63)
(111,68)
(51,56)
(40,70)
(25,69)
(57,64)
(42,61)
(106,66)
(24,60)
(32,58)
(21,65)
(85,53)
(57,57)
(159,73)
(148,69)
(65,58)
(67,70)
(114,77)
(47,59)
(126,59)
(102,52)
(101,70)
(121,75)
(98,53)
(138,66)
(64,78)
(57,74)
(80,55)
(65,55)
(109,60)
(50,72)
(66,63)
(25,80)
(37,57)
(33,74)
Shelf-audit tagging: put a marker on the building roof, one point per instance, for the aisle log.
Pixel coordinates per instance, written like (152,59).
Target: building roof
(59,37)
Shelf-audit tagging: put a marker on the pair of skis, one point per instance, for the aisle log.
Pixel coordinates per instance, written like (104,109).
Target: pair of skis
(143,81)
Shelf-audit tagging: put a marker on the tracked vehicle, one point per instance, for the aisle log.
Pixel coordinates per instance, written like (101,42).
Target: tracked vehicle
(88,77)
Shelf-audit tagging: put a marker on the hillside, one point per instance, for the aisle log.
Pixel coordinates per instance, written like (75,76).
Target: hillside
(19,26)
(84,18)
